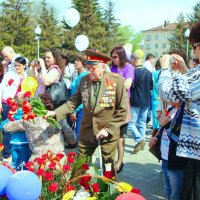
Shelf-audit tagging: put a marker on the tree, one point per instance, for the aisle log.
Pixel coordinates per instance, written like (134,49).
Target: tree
(51,34)
(111,26)
(178,40)
(15,29)
(128,35)
(195,16)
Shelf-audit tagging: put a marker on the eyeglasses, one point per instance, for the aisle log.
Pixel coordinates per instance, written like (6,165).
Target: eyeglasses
(92,68)
(195,45)
(114,57)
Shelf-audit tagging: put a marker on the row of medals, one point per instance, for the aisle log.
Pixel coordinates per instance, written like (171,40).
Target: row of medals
(108,99)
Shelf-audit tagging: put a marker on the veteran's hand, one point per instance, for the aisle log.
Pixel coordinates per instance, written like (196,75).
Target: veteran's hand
(165,61)
(178,63)
(102,134)
(50,114)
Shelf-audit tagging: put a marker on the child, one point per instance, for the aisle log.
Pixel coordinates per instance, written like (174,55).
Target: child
(172,165)
(20,150)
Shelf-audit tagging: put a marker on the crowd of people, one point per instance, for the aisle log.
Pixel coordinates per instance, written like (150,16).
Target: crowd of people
(107,101)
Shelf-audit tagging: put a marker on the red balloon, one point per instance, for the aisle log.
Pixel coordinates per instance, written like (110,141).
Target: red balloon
(130,196)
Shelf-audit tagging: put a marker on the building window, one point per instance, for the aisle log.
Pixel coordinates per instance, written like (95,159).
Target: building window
(163,36)
(156,37)
(148,46)
(164,46)
(156,46)
(156,54)
(148,37)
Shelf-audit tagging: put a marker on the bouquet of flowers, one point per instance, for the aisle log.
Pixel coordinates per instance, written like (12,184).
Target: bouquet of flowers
(41,133)
(56,171)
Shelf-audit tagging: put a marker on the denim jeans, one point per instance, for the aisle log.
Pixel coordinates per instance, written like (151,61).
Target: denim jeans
(172,181)
(20,153)
(137,125)
(6,153)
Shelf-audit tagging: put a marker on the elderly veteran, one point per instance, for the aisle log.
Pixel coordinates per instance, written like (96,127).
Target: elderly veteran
(104,99)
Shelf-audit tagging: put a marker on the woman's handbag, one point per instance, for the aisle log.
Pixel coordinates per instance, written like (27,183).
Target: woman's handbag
(58,93)
(155,149)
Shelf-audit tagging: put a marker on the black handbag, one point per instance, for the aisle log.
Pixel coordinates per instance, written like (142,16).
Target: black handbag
(155,150)
(58,92)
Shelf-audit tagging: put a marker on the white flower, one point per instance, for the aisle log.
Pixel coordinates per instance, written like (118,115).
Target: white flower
(81,195)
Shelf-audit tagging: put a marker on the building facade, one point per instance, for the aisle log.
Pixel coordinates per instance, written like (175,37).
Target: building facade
(156,39)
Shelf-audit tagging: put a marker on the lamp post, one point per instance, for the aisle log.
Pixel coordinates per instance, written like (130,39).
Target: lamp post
(186,34)
(38,32)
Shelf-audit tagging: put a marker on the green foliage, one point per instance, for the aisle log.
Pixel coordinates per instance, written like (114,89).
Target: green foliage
(178,40)
(50,35)
(15,29)
(129,35)
(195,16)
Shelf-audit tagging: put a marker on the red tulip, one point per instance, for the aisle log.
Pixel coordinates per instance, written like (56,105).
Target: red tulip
(95,187)
(48,176)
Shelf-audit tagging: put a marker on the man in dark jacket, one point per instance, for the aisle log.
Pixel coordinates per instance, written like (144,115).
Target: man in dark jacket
(140,101)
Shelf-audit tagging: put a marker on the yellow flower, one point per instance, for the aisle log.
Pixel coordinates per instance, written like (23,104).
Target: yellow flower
(69,195)
(92,198)
(124,187)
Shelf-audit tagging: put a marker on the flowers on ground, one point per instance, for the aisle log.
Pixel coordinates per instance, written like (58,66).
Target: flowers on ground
(57,173)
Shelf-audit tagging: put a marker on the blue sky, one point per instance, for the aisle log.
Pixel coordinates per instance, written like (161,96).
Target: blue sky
(140,14)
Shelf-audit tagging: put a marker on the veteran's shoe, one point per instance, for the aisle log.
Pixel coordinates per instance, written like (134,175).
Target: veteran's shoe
(139,146)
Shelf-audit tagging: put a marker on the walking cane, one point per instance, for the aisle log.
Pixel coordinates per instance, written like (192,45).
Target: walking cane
(100,157)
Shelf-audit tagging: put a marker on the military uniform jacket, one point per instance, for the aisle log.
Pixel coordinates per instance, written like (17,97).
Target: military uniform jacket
(109,112)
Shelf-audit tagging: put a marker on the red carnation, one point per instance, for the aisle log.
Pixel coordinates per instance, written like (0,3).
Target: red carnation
(10,82)
(95,187)
(31,169)
(70,187)
(84,184)
(84,181)
(85,166)
(70,160)
(86,178)
(52,166)
(71,154)
(40,172)
(9,100)
(108,174)
(10,117)
(27,94)
(26,107)
(60,155)
(66,168)
(29,164)
(53,187)
(39,160)
(48,176)
(136,190)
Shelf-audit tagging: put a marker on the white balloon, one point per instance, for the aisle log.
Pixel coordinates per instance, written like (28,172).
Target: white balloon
(128,46)
(81,42)
(72,17)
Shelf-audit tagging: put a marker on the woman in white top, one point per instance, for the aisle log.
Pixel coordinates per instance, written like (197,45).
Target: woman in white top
(10,86)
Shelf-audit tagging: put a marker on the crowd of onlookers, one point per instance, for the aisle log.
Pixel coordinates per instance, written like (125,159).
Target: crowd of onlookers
(166,93)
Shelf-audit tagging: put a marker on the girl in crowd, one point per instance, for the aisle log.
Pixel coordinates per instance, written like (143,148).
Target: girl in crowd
(121,66)
(77,115)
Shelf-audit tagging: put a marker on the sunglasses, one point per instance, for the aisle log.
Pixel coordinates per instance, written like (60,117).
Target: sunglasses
(114,57)
(195,45)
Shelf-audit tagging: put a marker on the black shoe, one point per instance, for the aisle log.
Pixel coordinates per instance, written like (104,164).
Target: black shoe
(70,146)
(120,168)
